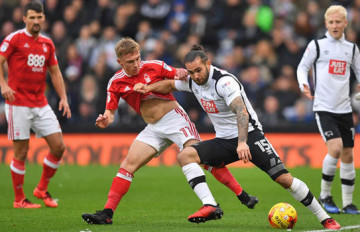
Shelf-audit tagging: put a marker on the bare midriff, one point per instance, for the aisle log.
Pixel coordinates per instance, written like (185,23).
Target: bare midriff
(152,110)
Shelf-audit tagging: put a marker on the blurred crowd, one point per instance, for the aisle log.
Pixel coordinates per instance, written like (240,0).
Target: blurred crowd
(259,41)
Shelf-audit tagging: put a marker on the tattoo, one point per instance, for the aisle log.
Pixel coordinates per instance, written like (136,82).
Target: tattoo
(238,107)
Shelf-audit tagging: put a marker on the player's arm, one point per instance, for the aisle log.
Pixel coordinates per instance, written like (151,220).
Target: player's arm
(304,67)
(6,91)
(238,107)
(228,88)
(164,87)
(104,120)
(355,65)
(58,83)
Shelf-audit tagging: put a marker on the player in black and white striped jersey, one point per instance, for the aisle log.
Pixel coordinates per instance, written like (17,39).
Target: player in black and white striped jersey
(331,58)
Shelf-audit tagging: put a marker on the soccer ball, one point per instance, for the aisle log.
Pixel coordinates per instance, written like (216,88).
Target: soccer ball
(282,216)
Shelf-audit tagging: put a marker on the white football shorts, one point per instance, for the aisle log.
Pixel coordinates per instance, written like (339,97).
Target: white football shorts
(42,120)
(175,127)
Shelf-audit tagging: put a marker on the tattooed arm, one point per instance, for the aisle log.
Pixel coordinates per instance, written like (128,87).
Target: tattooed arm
(237,106)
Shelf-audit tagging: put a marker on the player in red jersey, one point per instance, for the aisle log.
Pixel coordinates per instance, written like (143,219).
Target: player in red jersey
(28,55)
(167,123)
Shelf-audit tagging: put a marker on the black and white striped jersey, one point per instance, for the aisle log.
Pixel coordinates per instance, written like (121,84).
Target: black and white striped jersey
(331,60)
(215,96)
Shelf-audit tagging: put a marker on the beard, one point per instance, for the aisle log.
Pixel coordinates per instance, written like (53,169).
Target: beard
(206,77)
(36,29)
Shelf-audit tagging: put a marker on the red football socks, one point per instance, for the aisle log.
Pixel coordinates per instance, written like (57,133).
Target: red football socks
(224,176)
(119,187)
(50,165)
(17,168)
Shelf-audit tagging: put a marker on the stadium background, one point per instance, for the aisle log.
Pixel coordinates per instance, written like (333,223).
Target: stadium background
(259,41)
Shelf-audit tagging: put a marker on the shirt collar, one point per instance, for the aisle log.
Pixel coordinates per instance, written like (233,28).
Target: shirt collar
(27,33)
(126,73)
(332,38)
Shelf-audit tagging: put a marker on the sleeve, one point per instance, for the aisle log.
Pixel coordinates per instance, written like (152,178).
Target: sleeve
(183,85)
(167,71)
(52,59)
(228,88)
(355,65)
(7,47)
(112,97)
(305,64)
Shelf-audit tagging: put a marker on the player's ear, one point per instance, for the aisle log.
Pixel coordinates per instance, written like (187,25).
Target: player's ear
(119,61)
(208,63)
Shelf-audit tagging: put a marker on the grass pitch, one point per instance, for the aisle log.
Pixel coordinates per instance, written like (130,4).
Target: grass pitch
(159,199)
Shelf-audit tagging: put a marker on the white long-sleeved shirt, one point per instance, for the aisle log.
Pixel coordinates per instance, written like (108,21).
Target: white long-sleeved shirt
(215,97)
(331,72)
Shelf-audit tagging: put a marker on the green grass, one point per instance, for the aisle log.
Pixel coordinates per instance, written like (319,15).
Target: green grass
(159,200)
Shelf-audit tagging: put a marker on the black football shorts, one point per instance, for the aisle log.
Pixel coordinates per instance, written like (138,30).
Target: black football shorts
(219,152)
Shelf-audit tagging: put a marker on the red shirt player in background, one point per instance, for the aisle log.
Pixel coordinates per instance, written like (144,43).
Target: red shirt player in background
(28,54)
(167,123)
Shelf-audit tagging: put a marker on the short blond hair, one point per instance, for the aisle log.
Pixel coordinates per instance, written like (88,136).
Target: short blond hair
(125,46)
(336,9)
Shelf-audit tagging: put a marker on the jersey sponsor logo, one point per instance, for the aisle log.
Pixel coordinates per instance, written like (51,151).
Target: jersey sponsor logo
(147,78)
(167,67)
(4,47)
(337,67)
(209,106)
(127,88)
(36,62)
(26,45)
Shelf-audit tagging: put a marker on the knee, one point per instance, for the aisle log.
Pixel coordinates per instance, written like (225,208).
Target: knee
(188,155)
(347,155)
(335,149)
(21,154)
(285,180)
(58,150)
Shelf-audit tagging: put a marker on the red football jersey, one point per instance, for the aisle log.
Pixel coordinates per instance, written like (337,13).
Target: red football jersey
(122,86)
(28,58)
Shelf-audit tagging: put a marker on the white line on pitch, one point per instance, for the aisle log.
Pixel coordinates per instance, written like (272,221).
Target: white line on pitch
(342,228)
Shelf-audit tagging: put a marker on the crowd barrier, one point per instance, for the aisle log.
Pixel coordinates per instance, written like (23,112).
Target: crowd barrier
(105,149)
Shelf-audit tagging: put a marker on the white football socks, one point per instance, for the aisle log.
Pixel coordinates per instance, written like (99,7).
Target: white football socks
(196,178)
(300,191)
(328,169)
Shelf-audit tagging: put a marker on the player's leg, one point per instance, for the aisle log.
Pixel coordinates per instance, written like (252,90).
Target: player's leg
(265,157)
(347,170)
(189,161)
(329,131)
(17,168)
(224,176)
(139,154)
(46,125)
(19,123)
(347,176)
(334,147)
(300,191)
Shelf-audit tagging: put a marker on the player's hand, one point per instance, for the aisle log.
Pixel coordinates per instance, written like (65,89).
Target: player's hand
(243,152)
(181,74)
(102,121)
(306,91)
(8,93)
(64,105)
(140,88)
